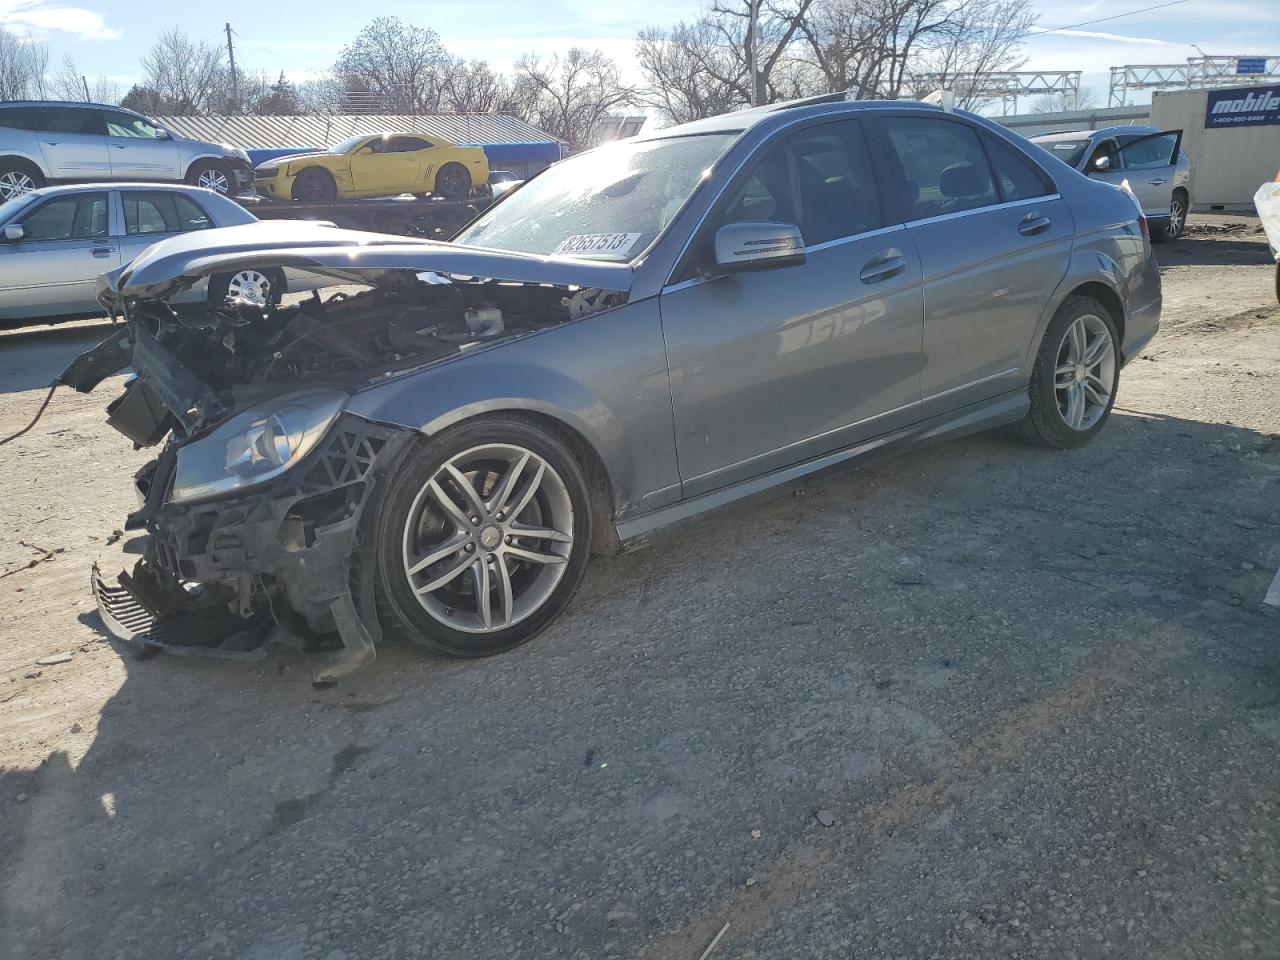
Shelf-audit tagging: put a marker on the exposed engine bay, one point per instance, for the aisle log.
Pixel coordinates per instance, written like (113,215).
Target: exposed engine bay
(261,542)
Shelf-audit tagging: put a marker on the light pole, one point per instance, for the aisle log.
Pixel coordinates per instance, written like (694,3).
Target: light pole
(753,38)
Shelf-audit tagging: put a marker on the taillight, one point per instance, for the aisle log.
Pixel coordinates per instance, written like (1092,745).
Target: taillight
(1142,225)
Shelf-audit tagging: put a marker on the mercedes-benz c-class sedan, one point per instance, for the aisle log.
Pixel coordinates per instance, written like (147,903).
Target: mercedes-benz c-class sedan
(640,334)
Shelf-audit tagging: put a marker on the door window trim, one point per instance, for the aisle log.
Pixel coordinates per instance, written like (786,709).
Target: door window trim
(79,195)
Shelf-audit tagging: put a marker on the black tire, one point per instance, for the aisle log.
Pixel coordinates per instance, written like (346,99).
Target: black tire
(213,175)
(17,177)
(453,182)
(1045,424)
(220,284)
(399,610)
(314,185)
(1177,222)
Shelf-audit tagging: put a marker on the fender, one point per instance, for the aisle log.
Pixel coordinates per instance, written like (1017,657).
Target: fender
(36,159)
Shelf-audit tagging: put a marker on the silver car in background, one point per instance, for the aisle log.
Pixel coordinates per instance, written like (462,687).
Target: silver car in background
(45,142)
(55,241)
(1150,160)
(640,334)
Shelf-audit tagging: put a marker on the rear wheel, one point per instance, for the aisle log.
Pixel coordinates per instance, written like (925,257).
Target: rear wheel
(1073,384)
(453,181)
(481,538)
(214,176)
(17,178)
(314,184)
(1177,223)
(262,287)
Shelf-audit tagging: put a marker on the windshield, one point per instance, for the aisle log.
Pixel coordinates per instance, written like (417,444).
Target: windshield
(607,204)
(11,207)
(1068,151)
(348,144)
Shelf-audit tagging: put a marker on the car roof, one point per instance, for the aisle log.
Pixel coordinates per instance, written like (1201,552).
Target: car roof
(66,188)
(739,121)
(1090,134)
(10,104)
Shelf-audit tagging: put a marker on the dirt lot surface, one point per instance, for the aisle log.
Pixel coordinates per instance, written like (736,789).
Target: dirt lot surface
(981,701)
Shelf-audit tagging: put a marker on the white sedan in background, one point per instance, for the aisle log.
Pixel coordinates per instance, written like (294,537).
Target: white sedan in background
(54,242)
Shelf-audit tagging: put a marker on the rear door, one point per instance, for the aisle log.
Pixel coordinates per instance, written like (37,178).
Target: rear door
(74,143)
(149,216)
(1149,163)
(53,270)
(774,367)
(994,239)
(136,151)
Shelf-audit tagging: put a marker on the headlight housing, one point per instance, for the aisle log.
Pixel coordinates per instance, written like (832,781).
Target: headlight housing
(255,446)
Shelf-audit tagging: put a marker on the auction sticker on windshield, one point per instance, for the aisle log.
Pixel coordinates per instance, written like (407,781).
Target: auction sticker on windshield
(615,243)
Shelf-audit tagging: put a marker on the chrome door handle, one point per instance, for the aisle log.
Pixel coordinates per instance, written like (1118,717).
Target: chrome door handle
(882,266)
(1159,180)
(1032,224)
(101,252)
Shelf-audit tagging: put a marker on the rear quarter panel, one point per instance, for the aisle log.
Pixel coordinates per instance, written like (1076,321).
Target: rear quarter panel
(604,377)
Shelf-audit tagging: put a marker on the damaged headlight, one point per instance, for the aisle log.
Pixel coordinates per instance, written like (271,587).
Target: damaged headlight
(255,446)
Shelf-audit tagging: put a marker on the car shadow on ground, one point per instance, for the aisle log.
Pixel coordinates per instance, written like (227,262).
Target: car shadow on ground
(594,788)
(1189,251)
(30,359)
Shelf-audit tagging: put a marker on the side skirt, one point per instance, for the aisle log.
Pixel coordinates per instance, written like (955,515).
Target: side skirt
(974,418)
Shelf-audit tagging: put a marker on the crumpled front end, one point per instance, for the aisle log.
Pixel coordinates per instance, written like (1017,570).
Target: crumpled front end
(255,509)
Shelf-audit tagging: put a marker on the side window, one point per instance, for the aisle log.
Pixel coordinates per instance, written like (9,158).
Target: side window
(1141,153)
(943,168)
(71,120)
(1017,177)
(190,216)
(161,212)
(1107,148)
(82,216)
(818,178)
(18,118)
(407,144)
(127,125)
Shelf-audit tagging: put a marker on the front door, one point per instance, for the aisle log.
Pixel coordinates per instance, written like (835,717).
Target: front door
(1149,163)
(136,150)
(775,367)
(74,143)
(389,165)
(53,270)
(994,239)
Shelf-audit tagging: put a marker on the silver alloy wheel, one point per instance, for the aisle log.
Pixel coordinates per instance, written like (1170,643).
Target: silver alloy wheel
(211,178)
(1177,218)
(1085,374)
(488,538)
(14,183)
(251,285)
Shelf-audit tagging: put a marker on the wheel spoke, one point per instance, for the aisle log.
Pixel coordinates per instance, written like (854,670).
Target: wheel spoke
(1098,351)
(1075,340)
(455,512)
(1096,390)
(480,573)
(1075,406)
(446,549)
(447,577)
(539,533)
(498,500)
(522,501)
(505,599)
(474,503)
(534,556)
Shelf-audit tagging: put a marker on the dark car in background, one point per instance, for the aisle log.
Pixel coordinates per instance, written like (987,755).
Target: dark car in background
(47,142)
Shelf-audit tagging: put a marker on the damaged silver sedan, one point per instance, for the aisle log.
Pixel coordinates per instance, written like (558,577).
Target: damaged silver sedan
(641,334)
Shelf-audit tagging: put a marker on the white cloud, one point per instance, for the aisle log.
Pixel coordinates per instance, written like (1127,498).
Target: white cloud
(39,17)
(1098,35)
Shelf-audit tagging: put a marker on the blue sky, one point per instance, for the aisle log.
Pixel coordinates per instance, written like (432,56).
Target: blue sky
(108,37)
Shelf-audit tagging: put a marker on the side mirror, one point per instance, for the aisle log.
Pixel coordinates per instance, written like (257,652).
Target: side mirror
(758,246)
(14,231)
(163,134)
(1100,164)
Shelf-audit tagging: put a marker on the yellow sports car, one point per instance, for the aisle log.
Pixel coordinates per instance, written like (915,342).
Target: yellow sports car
(376,165)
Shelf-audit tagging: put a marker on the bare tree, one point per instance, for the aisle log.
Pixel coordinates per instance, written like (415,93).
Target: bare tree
(776,27)
(22,66)
(475,88)
(848,41)
(186,76)
(402,65)
(1084,98)
(68,83)
(688,72)
(978,38)
(572,94)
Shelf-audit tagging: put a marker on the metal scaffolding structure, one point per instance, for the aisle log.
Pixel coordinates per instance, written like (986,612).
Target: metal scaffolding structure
(1004,85)
(1196,74)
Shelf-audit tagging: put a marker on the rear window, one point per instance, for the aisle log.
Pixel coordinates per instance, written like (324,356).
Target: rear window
(1068,151)
(18,118)
(70,120)
(161,212)
(944,167)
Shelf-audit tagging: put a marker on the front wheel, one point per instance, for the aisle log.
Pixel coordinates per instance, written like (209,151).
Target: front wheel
(481,538)
(1177,222)
(314,184)
(1073,384)
(213,176)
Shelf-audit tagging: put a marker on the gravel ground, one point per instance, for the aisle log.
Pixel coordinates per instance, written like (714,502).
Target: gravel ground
(978,701)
